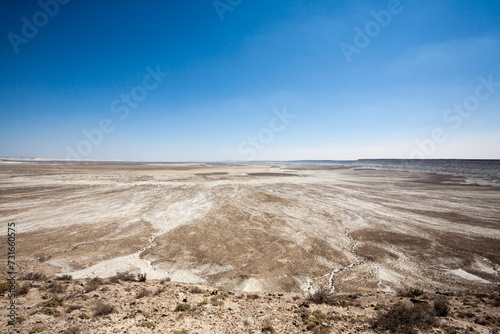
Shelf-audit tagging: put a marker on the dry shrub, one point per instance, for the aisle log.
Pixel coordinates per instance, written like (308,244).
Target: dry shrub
(64,278)
(92,285)
(142,293)
(322,296)
(114,279)
(71,330)
(182,307)
(403,318)
(56,288)
(23,289)
(441,307)
(126,276)
(72,308)
(267,327)
(196,289)
(159,291)
(141,277)
(410,292)
(102,309)
(34,277)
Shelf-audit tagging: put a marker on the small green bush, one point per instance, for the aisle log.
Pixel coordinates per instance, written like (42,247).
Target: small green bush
(84,316)
(267,327)
(148,324)
(51,303)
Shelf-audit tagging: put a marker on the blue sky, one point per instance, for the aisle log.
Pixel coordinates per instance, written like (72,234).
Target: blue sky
(233,66)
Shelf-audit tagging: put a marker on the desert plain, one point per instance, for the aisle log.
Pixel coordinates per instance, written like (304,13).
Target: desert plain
(254,227)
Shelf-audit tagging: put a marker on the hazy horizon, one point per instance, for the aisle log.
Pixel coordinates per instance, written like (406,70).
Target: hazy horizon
(250,81)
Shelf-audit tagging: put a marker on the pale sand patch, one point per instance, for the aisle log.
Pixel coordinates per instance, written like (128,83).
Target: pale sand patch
(468,276)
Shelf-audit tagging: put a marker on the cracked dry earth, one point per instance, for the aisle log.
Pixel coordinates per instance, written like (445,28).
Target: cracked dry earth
(278,228)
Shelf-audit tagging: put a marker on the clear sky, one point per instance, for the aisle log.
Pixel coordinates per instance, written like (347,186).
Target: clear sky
(200,80)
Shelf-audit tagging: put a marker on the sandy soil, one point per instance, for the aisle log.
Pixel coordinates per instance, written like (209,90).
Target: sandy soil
(248,227)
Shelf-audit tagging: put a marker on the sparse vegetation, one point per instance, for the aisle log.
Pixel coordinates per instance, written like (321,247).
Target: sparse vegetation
(71,330)
(4,287)
(313,320)
(51,303)
(141,277)
(125,276)
(441,307)
(404,318)
(410,293)
(142,293)
(217,300)
(64,278)
(182,307)
(102,309)
(56,288)
(196,289)
(84,316)
(322,295)
(181,332)
(34,277)
(37,329)
(50,311)
(267,327)
(148,324)
(20,319)
(23,289)
(92,285)
(72,308)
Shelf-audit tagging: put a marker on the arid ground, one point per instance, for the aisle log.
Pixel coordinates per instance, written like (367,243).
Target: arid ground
(249,227)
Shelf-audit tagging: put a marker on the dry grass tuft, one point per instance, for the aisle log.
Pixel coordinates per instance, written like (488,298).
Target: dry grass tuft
(102,309)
